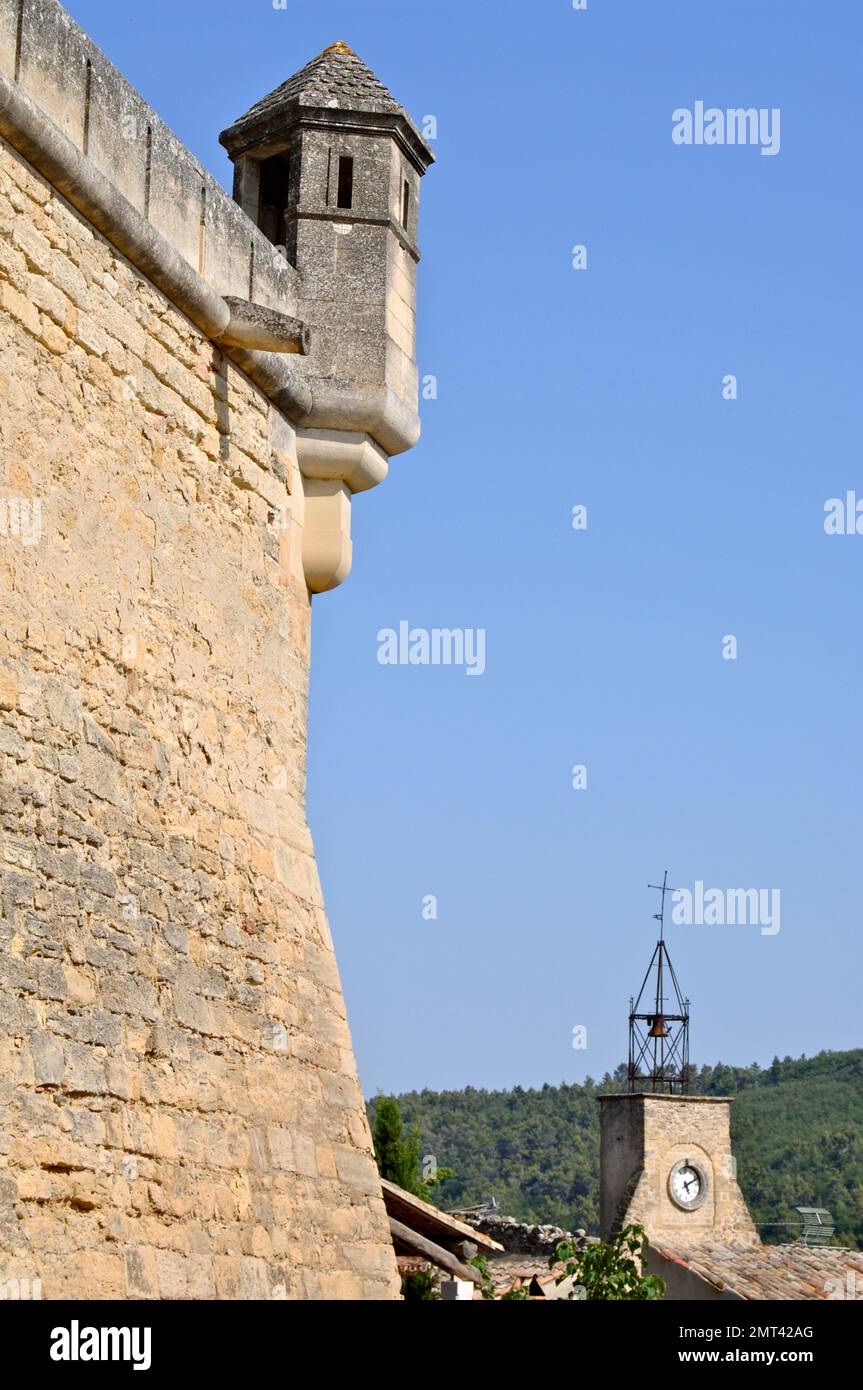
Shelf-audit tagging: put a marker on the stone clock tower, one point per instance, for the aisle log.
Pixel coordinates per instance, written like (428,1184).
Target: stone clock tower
(665,1156)
(666,1163)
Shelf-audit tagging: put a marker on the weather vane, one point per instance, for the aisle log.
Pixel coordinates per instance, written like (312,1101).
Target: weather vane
(662,888)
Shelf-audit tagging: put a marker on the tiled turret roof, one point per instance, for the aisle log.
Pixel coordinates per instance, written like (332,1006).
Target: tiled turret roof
(336,78)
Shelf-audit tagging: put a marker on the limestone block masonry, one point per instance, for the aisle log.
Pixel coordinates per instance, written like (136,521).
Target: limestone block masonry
(180,1113)
(642,1137)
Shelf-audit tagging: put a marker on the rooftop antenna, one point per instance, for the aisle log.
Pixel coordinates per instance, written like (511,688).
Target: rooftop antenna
(816,1228)
(659,1040)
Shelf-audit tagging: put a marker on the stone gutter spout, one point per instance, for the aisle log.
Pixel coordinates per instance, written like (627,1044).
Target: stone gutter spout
(264,330)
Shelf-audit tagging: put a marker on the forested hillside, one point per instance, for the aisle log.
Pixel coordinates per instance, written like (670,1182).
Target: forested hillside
(797,1129)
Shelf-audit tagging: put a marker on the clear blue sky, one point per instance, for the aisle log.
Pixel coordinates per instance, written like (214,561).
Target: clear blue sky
(601,387)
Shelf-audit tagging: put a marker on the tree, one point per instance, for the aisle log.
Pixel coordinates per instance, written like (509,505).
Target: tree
(397,1153)
(603,1273)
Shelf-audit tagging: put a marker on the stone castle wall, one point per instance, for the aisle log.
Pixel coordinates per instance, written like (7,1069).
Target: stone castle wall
(180,1114)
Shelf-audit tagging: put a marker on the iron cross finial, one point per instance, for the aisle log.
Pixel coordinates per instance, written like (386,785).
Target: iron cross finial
(662,888)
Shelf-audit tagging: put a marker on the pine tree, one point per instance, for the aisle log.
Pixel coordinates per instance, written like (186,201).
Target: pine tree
(397,1153)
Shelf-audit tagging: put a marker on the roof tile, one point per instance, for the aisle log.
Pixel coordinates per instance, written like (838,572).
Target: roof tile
(337,78)
(776,1271)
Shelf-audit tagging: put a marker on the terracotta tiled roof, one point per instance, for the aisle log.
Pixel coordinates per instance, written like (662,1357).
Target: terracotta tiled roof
(510,1271)
(775,1271)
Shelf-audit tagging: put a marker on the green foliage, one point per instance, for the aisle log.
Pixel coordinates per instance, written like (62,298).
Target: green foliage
(519,1293)
(421,1287)
(605,1273)
(398,1153)
(797,1128)
(486,1287)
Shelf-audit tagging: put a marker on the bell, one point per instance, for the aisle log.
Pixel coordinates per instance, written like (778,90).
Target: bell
(658,1028)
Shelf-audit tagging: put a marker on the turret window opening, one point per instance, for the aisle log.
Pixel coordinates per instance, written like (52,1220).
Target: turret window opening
(275,193)
(345,191)
(406,203)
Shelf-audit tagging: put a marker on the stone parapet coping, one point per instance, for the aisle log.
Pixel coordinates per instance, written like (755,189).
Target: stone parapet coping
(663,1095)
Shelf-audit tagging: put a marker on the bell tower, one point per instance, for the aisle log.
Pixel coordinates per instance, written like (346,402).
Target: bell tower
(665,1155)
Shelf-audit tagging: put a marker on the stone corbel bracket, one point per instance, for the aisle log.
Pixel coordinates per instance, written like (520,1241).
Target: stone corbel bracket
(334,465)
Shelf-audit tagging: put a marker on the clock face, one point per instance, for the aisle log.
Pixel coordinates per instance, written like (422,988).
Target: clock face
(687,1184)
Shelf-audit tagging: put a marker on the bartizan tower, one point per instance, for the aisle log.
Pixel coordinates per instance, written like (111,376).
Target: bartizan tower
(328,166)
